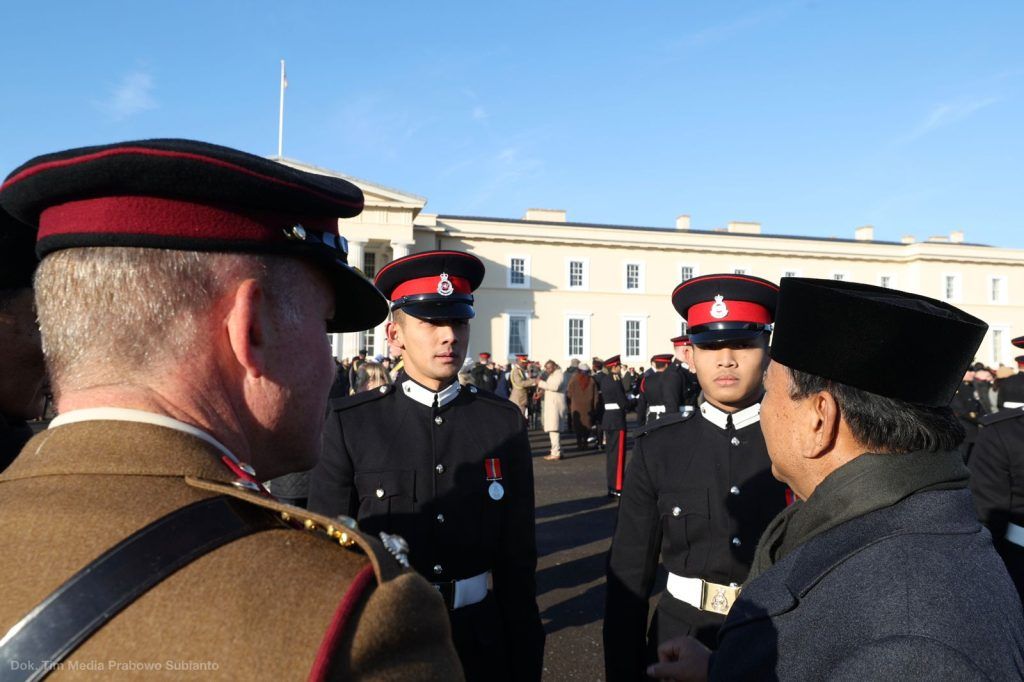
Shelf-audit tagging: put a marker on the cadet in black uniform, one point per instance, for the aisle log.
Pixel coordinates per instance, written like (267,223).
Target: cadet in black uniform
(967,407)
(662,390)
(997,480)
(1011,389)
(682,348)
(702,481)
(613,423)
(446,467)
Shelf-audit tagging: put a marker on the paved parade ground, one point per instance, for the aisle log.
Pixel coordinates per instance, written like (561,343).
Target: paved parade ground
(575,520)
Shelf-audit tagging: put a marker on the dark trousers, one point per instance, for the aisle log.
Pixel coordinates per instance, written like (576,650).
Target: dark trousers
(615,456)
(479,638)
(677,619)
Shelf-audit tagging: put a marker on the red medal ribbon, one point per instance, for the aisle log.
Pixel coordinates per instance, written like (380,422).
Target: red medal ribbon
(493,468)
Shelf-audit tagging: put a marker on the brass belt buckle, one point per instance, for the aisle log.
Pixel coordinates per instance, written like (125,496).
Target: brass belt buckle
(717,598)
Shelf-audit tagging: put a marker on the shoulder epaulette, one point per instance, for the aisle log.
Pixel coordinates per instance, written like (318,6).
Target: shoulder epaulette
(387,555)
(346,402)
(663,422)
(1001,416)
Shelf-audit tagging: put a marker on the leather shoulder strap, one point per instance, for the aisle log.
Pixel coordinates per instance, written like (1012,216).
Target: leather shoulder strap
(56,627)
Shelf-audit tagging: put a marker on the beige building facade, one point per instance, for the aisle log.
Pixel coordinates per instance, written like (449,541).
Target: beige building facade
(560,290)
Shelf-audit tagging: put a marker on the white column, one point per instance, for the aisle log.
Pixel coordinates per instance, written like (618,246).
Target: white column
(356,249)
(400,249)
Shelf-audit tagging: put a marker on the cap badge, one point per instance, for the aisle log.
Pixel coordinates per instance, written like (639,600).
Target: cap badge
(444,287)
(719,309)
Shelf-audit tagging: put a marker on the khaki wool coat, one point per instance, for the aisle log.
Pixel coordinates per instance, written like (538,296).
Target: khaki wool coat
(520,382)
(552,414)
(78,489)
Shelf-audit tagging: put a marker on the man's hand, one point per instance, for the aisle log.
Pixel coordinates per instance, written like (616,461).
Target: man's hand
(682,659)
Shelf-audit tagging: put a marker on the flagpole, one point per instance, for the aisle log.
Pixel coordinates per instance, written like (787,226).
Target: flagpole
(280,118)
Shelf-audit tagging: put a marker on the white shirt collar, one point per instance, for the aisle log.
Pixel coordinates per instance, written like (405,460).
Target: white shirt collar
(745,417)
(123,414)
(425,396)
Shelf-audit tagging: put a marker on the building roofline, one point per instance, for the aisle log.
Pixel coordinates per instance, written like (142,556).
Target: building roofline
(670,230)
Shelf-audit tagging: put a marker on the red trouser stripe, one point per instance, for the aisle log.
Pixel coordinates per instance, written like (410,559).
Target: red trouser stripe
(620,466)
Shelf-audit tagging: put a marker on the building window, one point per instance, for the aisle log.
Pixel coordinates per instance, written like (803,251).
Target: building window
(997,347)
(885,281)
(518,335)
(368,341)
(790,273)
(370,264)
(634,277)
(578,274)
(997,289)
(519,272)
(739,271)
(839,276)
(687,272)
(577,337)
(684,328)
(951,287)
(634,337)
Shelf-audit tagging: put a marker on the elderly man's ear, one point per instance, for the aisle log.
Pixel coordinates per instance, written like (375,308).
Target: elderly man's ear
(822,419)
(245,327)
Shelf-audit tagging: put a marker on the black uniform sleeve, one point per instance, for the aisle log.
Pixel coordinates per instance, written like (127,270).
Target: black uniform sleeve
(990,480)
(514,574)
(331,485)
(632,562)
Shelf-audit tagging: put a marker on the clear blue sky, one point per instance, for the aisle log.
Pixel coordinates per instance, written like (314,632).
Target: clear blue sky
(811,117)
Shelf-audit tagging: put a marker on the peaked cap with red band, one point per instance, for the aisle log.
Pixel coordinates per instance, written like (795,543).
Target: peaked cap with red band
(662,358)
(433,285)
(1019,360)
(613,361)
(726,307)
(1019,341)
(683,340)
(194,196)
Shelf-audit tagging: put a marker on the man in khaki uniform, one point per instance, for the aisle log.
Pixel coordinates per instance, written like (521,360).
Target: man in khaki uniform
(183,297)
(521,381)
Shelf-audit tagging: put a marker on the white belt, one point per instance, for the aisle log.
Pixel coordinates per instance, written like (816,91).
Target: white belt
(1015,534)
(1011,405)
(701,594)
(611,406)
(467,592)
(656,409)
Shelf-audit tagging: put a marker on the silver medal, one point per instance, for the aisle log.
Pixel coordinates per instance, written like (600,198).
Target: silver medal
(496,491)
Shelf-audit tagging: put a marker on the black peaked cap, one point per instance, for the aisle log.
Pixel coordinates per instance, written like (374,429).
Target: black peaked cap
(191,195)
(883,341)
(432,285)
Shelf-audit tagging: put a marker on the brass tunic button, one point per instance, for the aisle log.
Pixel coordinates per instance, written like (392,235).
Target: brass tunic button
(735,440)
(438,569)
(676,511)
(472,389)
(439,468)
(439,420)
(383,389)
(440,518)
(734,490)
(736,542)
(380,493)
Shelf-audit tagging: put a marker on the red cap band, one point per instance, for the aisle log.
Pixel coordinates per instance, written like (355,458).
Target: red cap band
(727,311)
(170,218)
(430,285)
(682,342)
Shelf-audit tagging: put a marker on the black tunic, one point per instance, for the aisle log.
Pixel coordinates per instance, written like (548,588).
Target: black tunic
(698,496)
(611,392)
(403,467)
(1011,389)
(997,484)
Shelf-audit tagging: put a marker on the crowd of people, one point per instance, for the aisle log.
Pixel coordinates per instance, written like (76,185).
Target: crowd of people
(819,510)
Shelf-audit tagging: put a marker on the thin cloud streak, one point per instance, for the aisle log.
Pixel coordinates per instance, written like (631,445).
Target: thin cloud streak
(132,95)
(949,113)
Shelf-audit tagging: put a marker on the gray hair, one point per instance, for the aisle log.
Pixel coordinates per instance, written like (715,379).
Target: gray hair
(116,314)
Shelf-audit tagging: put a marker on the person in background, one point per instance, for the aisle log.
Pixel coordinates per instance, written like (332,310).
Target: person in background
(370,376)
(553,410)
(968,409)
(583,398)
(23,383)
(983,380)
(340,386)
(1011,388)
(613,423)
(521,382)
